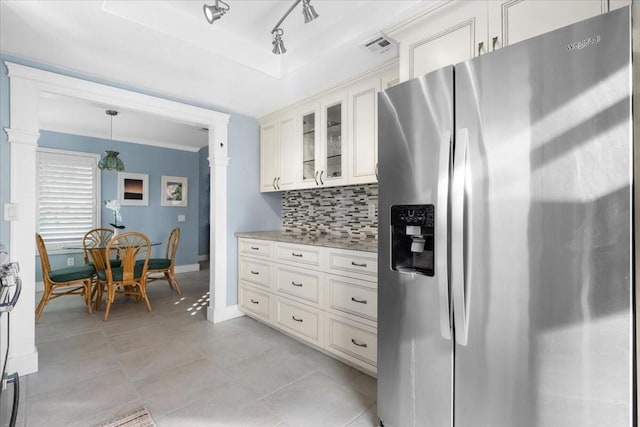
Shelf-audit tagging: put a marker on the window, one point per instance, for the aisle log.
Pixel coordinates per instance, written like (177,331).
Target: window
(68,196)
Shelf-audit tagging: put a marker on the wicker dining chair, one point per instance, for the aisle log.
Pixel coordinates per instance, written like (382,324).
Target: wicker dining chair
(130,278)
(166,266)
(62,281)
(94,243)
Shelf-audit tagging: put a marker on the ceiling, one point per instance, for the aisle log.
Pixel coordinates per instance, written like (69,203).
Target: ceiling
(168,48)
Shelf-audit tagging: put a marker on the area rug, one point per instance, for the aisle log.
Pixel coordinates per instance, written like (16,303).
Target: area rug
(138,418)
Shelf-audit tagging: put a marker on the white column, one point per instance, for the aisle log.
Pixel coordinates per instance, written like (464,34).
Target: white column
(23,136)
(218,162)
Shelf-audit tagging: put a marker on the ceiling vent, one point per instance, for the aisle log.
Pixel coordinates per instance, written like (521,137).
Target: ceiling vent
(378,44)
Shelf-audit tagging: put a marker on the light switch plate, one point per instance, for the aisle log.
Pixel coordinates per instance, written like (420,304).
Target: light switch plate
(10,211)
(182,218)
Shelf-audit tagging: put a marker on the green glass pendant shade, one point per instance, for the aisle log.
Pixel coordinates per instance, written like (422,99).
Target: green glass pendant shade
(111,162)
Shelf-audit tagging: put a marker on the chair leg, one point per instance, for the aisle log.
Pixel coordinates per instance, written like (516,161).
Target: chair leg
(172,281)
(110,290)
(43,301)
(143,292)
(87,295)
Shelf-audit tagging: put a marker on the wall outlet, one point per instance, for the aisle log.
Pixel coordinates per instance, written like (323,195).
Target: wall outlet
(310,210)
(372,211)
(71,261)
(182,218)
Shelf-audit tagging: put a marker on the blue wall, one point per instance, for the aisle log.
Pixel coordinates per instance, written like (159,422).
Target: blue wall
(154,220)
(205,201)
(248,209)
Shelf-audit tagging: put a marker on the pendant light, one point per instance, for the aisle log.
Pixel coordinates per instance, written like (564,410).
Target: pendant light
(111,161)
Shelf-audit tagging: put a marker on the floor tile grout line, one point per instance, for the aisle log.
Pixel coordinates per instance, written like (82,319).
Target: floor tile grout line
(288,384)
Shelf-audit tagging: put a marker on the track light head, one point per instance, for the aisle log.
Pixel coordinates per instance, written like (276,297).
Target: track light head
(308,12)
(216,11)
(278,44)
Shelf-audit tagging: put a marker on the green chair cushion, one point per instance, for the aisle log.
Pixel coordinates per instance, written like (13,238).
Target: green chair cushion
(69,274)
(116,272)
(157,263)
(114,263)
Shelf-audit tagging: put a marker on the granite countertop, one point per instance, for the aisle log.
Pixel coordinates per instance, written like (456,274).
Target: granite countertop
(327,240)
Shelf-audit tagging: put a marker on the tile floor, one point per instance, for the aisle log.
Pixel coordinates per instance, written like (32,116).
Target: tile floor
(187,371)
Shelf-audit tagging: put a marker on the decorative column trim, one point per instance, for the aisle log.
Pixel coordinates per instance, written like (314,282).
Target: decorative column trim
(20,136)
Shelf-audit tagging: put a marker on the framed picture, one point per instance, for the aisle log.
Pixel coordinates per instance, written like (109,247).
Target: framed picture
(133,189)
(174,191)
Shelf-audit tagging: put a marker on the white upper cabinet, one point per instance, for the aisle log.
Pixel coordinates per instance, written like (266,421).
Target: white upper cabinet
(330,140)
(516,20)
(363,131)
(333,158)
(309,141)
(288,135)
(269,156)
(447,35)
(460,30)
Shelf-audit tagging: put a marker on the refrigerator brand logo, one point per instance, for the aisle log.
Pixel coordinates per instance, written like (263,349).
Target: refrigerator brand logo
(583,43)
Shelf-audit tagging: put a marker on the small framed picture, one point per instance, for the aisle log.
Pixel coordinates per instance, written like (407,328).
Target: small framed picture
(133,189)
(174,191)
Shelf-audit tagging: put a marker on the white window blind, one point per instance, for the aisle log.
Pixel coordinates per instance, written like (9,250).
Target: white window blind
(68,196)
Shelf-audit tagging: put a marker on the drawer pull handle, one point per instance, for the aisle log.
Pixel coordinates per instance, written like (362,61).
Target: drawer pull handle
(297,320)
(255,272)
(358,265)
(254,301)
(255,248)
(359,301)
(296,255)
(296,284)
(359,344)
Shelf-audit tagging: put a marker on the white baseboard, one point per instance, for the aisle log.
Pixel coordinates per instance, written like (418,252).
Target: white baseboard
(216,315)
(23,364)
(187,268)
(203,258)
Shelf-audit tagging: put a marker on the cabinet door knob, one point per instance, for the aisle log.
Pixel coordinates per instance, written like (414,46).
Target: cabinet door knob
(494,41)
(254,301)
(355,264)
(321,182)
(278,182)
(255,272)
(377,177)
(480,46)
(315,176)
(296,255)
(274,184)
(297,320)
(296,284)
(359,301)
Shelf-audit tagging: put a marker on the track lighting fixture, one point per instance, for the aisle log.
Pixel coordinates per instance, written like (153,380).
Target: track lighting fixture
(216,11)
(309,14)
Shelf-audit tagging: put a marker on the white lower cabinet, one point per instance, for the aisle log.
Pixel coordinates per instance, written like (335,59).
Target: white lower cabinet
(254,301)
(326,297)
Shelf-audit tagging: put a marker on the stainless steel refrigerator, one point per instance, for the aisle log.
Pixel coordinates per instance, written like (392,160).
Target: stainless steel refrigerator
(505,248)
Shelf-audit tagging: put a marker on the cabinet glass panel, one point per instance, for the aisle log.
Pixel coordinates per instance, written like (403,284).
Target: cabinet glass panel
(334,141)
(308,146)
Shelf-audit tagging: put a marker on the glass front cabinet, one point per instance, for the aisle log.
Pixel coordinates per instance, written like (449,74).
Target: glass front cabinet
(323,154)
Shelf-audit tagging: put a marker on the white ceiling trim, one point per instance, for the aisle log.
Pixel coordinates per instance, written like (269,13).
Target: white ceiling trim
(128,139)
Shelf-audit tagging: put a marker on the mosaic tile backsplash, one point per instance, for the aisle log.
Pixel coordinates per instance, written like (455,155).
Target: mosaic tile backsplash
(351,211)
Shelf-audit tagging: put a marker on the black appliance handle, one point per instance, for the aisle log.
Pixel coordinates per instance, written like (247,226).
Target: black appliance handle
(15,380)
(7,307)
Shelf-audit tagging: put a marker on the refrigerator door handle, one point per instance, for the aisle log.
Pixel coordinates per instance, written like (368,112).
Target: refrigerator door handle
(458,291)
(442,249)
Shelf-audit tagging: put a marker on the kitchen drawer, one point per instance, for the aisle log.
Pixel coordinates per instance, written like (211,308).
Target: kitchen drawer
(295,318)
(364,263)
(299,254)
(345,337)
(299,283)
(255,302)
(352,296)
(259,248)
(255,272)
